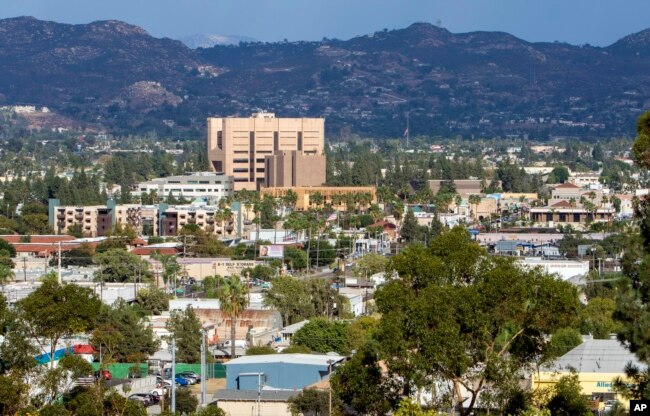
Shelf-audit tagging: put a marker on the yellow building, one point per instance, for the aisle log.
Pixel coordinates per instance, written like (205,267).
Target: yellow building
(239,146)
(337,197)
(597,362)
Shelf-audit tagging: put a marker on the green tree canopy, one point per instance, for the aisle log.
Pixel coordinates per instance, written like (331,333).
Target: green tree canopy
(322,335)
(291,297)
(54,311)
(117,265)
(185,327)
(467,317)
(123,335)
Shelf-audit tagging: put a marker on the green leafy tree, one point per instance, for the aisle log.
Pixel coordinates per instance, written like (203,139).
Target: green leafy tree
(321,253)
(567,398)
(297,259)
(632,305)
(123,334)
(117,265)
(152,300)
(559,174)
(13,394)
(260,350)
(360,385)
(57,380)
(210,410)
(233,301)
(370,264)
(186,328)
(81,256)
(186,402)
(54,311)
(296,349)
(290,297)
(440,320)
(6,274)
(563,341)
(410,230)
(596,318)
(75,230)
(408,407)
(322,335)
(110,244)
(310,402)
(170,267)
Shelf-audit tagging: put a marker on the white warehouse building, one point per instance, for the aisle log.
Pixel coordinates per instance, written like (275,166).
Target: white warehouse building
(193,185)
(565,269)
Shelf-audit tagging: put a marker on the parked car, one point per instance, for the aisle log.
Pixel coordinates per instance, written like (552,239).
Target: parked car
(144,398)
(103,374)
(182,381)
(610,405)
(157,393)
(191,375)
(159,382)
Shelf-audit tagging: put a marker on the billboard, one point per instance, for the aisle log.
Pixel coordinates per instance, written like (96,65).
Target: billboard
(275,251)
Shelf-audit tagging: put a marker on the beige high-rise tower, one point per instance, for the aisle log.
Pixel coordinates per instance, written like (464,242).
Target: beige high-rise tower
(239,146)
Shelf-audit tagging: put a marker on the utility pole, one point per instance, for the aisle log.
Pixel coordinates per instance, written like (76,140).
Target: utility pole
(308,251)
(59,272)
(203,401)
(329,367)
(173,380)
(25,268)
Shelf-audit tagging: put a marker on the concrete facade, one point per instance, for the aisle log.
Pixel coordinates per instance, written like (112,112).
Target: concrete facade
(464,187)
(293,168)
(163,220)
(192,185)
(332,195)
(239,146)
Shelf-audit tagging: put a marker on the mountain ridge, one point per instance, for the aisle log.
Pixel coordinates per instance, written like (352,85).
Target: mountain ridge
(475,83)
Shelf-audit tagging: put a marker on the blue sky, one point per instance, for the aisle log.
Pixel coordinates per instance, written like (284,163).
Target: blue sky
(598,22)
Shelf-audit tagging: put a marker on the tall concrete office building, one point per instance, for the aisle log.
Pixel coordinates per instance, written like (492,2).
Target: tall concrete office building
(239,147)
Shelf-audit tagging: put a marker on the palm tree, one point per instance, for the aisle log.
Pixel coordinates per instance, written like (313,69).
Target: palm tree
(233,301)
(474,200)
(318,199)
(289,199)
(6,274)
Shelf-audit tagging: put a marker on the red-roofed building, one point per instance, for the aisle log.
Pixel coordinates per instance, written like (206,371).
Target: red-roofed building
(148,251)
(40,239)
(390,229)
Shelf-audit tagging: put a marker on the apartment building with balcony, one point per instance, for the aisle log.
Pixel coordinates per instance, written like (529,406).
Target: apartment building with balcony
(163,220)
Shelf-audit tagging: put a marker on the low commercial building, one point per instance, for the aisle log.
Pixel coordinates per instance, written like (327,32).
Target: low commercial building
(338,197)
(252,402)
(597,362)
(562,213)
(279,371)
(564,269)
(190,186)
